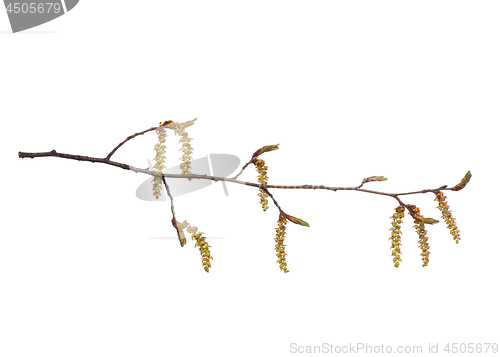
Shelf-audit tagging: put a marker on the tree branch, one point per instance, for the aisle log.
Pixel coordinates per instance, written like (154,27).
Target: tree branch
(54,153)
(264,187)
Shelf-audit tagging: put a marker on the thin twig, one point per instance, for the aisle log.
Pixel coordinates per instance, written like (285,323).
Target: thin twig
(163,126)
(127,139)
(252,160)
(405,206)
(174,220)
(264,188)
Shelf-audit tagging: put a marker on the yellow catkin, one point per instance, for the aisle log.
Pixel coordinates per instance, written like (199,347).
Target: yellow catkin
(186,148)
(422,236)
(261,167)
(280,247)
(159,159)
(202,245)
(396,234)
(446,215)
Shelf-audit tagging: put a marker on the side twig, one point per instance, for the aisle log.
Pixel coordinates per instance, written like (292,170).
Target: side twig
(175,223)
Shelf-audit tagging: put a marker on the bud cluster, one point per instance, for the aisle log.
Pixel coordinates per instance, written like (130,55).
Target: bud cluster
(159,161)
(279,239)
(261,167)
(396,234)
(446,214)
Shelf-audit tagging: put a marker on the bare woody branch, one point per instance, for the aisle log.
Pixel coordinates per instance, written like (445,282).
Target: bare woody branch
(54,153)
(264,187)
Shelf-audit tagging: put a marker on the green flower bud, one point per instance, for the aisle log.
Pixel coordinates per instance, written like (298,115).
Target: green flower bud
(264,149)
(375,178)
(429,220)
(463,182)
(297,221)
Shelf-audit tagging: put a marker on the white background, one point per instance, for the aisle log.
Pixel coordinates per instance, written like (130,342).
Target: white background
(408,90)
